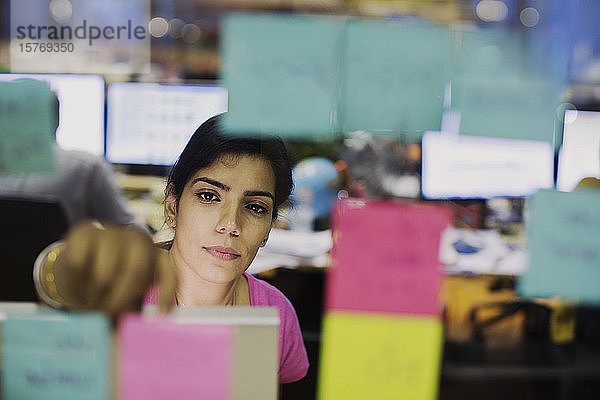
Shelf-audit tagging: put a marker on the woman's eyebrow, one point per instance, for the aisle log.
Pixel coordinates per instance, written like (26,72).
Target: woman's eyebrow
(212,182)
(259,193)
(227,188)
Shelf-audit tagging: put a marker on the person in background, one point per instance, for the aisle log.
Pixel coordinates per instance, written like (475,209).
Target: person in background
(85,186)
(221,199)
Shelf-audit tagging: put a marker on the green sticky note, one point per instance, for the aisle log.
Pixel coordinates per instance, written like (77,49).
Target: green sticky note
(499,90)
(27,123)
(564,238)
(56,356)
(281,73)
(394,77)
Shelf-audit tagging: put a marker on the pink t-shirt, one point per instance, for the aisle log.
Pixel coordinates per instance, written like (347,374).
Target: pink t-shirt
(293,361)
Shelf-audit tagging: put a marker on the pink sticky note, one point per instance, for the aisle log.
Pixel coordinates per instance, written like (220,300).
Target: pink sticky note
(162,359)
(386,257)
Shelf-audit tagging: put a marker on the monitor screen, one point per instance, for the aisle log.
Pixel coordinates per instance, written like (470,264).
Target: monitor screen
(150,123)
(81,120)
(579,155)
(460,166)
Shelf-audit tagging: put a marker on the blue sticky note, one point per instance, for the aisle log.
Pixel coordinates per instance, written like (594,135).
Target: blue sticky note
(27,123)
(56,356)
(564,238)
(394,77)
(281,73)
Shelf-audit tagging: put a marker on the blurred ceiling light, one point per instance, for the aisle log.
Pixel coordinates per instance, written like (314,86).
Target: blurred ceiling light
(190,33)
(175,27)
(158,27)
(61,10)
(491,10)
(529,17)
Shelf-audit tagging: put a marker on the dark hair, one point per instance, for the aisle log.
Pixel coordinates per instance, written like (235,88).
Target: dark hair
(209,142)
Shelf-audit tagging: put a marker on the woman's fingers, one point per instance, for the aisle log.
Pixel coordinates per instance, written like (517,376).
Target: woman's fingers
(73,270)
(105,263)
(132,275)
(111,269)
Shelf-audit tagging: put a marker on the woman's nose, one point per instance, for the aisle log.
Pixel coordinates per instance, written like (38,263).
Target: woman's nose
(228,223)
(229,227)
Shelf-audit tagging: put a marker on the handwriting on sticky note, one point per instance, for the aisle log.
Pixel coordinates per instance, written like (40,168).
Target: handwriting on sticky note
(564,232)
(386,258)
(379,356)
(56,356)
(26,127)
(160,359)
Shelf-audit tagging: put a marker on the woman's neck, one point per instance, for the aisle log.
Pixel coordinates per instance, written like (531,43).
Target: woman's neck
(193,290)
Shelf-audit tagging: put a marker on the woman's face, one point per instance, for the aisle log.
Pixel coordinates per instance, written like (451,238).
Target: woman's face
(224,215)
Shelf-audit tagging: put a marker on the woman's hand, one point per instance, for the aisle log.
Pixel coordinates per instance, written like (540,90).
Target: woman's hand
(111,269)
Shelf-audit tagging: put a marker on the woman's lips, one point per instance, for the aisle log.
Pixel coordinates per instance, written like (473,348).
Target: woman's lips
(223,253)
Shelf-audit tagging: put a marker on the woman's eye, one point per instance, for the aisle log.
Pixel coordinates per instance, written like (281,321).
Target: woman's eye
(258,209)
(207,196)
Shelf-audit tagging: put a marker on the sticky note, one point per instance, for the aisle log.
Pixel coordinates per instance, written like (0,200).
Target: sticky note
(281,73)
(369,356)
(393,77)
(510,107)
(385,257)
(499,89)
(161,359)
(27,123)
(56,356)
(256,364)
(564,238)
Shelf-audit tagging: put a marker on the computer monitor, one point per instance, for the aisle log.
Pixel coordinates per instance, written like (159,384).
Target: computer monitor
(150,123)
(81,100)
(465,167)
(579,154)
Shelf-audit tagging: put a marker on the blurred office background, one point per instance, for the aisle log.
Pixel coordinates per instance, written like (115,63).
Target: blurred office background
(140,120)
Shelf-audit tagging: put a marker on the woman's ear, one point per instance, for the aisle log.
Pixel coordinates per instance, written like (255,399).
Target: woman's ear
(264,241)
(170,209)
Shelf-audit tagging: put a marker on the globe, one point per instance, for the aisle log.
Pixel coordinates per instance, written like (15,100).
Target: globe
(316,184)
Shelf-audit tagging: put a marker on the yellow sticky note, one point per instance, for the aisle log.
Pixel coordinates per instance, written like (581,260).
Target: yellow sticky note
(380,356)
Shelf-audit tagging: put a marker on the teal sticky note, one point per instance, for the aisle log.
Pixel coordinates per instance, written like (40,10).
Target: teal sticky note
(56,356)
(499,90)
(564,246)
(27,123)
(394,77)
(510,107)
(281,73)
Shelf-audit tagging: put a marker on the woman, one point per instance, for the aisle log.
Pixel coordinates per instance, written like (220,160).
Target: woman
(221,199)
